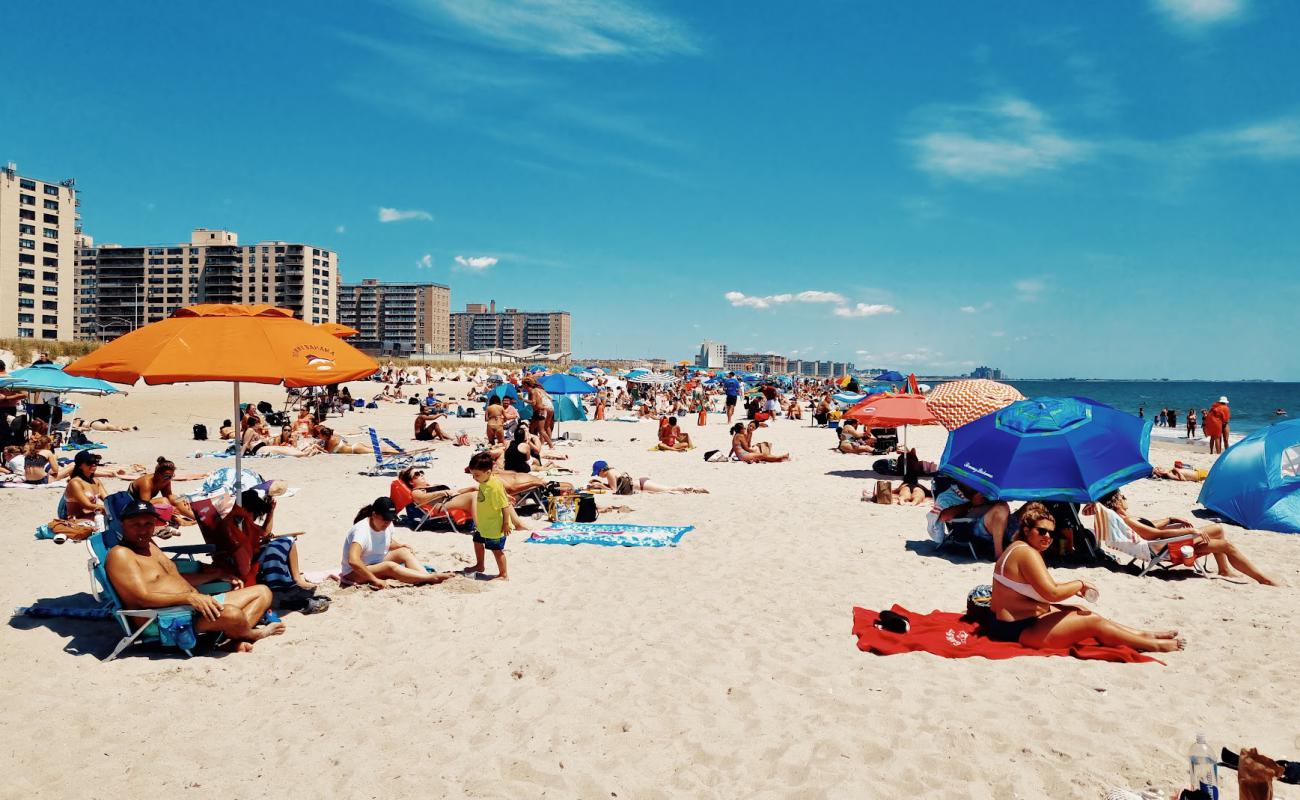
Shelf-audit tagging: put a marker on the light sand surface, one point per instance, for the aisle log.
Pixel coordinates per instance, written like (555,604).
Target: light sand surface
(721,668)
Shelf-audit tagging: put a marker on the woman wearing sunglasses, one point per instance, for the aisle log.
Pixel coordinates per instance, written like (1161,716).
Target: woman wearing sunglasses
(1026,600)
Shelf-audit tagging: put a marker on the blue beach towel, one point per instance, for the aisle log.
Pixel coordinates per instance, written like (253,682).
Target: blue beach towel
(611,534)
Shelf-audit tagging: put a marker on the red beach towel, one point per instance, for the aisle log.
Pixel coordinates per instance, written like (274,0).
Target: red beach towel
(951,636)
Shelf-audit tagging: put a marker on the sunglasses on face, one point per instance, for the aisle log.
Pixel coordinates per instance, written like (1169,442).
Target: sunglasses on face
(1048,532)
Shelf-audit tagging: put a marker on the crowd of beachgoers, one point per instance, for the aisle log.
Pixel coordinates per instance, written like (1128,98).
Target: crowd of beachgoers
(516,466)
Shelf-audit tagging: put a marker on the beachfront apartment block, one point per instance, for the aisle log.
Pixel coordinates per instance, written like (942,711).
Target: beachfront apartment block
(38,230)
(400,319)
(122,287)
(482,327)
(712,355)
(820,369)
(765,363)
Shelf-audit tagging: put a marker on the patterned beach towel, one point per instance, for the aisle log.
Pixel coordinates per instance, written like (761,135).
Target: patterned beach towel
(611,534)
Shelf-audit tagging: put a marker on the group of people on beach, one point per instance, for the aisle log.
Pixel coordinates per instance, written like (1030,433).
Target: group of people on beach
(1213,421)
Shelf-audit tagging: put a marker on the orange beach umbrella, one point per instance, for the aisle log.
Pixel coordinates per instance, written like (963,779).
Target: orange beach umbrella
(889,410)
(252,344)
(338,329)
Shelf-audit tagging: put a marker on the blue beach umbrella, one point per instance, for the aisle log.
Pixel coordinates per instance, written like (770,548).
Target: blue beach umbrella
(1049,448)
(562,383)
(1256,482)
(890,377)
(51,378)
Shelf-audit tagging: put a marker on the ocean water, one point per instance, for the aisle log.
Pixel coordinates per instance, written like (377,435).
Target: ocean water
(1253,404)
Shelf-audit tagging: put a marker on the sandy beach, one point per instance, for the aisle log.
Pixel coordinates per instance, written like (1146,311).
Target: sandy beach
(721,668)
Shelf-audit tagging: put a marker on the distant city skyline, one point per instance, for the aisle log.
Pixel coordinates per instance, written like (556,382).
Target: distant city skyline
(931,186)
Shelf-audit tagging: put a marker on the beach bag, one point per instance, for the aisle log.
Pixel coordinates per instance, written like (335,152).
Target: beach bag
(462,439)
(176,629)
(562,508)
(624,484)
(414,401)
(200,432)
(78,438)
(587,511)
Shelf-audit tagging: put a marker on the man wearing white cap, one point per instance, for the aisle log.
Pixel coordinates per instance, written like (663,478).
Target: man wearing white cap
(1218,431)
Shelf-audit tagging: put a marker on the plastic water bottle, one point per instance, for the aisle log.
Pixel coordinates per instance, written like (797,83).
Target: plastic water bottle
(100,524)
(1205,768)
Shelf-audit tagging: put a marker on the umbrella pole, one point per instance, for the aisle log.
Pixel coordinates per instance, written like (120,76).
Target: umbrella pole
(239,447)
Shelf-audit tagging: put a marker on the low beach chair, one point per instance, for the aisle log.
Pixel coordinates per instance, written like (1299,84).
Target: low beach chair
(958,532)
(1113,533)
(389,464)
(138,625)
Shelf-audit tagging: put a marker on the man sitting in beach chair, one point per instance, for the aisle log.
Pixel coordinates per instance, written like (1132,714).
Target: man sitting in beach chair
(989,517)
(1150,540)
(145,578)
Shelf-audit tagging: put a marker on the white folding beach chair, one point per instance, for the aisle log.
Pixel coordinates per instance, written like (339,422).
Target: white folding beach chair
(1113,533)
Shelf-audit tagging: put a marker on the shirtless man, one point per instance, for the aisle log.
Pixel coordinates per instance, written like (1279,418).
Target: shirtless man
(145,578)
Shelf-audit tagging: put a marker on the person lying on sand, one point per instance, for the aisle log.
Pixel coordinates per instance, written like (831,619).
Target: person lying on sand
(332,442)
(1179,472)
(371,555)
(1211,539)
(606,478)
(145,578)
(1026,602)
(742,449)
(80,424)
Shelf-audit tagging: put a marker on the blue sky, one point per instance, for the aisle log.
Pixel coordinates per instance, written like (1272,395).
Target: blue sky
(1102,189)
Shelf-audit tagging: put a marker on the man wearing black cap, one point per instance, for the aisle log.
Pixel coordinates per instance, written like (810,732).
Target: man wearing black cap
(145,578)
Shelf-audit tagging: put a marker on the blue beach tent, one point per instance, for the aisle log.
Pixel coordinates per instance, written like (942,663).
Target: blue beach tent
(1256,482)
(1070,449)
(509,390)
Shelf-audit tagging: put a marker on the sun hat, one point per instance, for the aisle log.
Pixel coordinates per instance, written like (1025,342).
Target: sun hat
(1223,399)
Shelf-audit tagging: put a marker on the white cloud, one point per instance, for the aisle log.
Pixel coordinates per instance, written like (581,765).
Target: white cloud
(1271,140)
(997,334)
(975,309)
(740,299)
(402,215)
(476,263)
(1200,14)
(865,310)
(341,229)
(561,28)
(425,262)
(1029,289)
(1007,137)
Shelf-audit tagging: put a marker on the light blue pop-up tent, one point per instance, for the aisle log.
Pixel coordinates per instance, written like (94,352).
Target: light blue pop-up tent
(1256,482)
(509,390)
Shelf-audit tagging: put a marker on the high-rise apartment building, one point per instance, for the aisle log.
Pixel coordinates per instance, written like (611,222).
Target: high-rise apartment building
(482,327)
(712,355)
(397,318)
(765,363)
(38,230)
(136,285)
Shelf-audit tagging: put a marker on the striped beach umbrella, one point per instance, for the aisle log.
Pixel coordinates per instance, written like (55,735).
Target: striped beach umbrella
(956,403)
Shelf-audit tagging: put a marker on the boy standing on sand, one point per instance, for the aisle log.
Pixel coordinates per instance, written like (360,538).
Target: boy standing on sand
(494,515)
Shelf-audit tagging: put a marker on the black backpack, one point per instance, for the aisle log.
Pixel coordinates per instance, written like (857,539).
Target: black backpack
(586,508)
(200,432)
(77,438)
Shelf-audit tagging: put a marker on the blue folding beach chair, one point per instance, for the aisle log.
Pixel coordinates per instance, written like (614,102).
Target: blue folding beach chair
(391,464)
(138,625)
